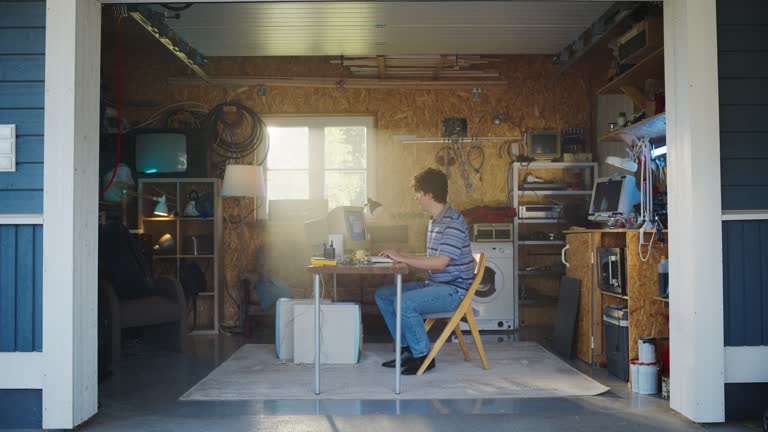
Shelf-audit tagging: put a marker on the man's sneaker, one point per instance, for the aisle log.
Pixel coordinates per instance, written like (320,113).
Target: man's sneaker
(405,355)
(413,365)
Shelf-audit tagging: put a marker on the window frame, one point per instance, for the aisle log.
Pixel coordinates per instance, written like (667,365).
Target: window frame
(317,168)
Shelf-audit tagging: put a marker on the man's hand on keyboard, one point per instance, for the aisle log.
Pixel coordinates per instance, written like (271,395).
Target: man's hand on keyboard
(393,254)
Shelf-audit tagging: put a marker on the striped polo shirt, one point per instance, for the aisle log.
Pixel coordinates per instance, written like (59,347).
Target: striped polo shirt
(448,236)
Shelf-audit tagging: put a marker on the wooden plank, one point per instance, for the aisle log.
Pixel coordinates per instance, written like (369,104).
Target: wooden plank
(28,122)
(742,38)
(22,68)
(29,149)
(21,202)
(744,197)
(736,145)
(732,279)
(7,288)
(22,41)
(25,288)
(743,118)
(21,409)
(742,64)
(650,67)
(743,91)
(580,268)
(744,172)
(740,12)
(325,82)
(751,262)
(22,95)
(646,314)
(28,176)
(38,287)
(653,127)
(22,14)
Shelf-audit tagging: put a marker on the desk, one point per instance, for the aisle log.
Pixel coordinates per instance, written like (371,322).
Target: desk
(395,269)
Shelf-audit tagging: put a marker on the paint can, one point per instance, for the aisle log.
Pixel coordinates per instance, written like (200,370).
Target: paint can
(634,374)
(646,347)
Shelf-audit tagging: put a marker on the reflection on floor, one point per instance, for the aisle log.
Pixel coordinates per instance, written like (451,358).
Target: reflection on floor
(142,395)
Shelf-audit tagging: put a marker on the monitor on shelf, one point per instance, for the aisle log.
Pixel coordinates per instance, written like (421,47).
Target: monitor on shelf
(612,195)
(168,153)
(543,144)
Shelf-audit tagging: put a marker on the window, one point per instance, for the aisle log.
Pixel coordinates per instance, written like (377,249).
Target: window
(320,158)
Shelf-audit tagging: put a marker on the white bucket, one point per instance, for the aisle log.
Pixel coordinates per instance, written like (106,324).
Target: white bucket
(648,382)
(646,347)
(634,374)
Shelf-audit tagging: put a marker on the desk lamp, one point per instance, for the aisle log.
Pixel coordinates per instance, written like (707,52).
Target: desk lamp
(161,209)
(243,181)
(374,207)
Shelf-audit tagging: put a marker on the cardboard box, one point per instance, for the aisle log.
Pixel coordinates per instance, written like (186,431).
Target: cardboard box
(341,333)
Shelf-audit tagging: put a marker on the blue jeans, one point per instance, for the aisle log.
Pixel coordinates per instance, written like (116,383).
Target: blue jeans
(417,298)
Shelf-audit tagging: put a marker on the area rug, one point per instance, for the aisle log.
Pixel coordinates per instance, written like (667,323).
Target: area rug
(517,370)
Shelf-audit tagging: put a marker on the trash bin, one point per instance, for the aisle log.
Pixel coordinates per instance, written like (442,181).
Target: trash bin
(616,319)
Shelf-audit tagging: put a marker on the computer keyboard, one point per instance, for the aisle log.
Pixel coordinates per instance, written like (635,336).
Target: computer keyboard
(380,260)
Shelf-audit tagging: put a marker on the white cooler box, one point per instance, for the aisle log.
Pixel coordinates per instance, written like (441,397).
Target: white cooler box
(284,325)
(341,333)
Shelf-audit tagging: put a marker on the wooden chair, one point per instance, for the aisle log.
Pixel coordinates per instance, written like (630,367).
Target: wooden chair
(463,311)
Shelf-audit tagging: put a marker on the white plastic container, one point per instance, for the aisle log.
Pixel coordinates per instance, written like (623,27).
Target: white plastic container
(646,348)
(648,382)
(634,374)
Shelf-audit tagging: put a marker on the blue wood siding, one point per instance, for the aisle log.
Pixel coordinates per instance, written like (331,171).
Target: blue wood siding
(22,99)
(21,300)
(745,282)
(21,409)
(742,45)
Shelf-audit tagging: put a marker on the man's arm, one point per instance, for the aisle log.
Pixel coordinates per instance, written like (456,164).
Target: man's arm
(431,263)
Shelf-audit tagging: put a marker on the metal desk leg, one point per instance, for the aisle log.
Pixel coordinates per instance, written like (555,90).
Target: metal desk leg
(399,282)
(334,287)
(317,332)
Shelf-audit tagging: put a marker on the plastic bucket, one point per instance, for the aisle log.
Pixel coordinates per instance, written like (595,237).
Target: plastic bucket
(648,382)
(634,374)
(646,348)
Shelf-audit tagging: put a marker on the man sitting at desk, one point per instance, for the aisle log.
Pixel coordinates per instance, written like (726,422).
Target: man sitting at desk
(451,269)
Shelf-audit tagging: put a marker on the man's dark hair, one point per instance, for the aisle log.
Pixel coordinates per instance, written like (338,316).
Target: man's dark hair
(432,181)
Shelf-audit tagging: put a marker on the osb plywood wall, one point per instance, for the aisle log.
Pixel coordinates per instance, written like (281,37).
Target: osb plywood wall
(537,97)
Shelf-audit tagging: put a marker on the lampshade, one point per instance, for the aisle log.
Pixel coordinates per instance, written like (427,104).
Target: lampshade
(374,207)
(623,163)
(243,181)
(165,243)
(162,207)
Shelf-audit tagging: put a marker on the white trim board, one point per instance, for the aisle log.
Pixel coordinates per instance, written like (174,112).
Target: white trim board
(21,219)
(696,328)
(70,204)
(747,364)
(744,215)
(21,370)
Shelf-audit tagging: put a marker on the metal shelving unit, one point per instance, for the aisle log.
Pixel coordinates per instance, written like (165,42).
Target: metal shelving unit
(578,189)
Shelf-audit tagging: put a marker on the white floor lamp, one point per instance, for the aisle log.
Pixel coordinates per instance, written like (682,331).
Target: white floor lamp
(243,181)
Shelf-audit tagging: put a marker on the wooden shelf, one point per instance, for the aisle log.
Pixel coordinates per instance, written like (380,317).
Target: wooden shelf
(650,67)
(540,273)
(610,294)
(540,221)
(554,192)
(652,127)
(176,218)
(665,300)
(541,242)
(183,256)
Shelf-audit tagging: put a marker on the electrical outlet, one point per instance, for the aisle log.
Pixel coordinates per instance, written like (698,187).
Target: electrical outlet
(8,148)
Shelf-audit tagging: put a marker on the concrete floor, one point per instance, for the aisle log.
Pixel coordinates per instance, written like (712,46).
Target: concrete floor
(142,395)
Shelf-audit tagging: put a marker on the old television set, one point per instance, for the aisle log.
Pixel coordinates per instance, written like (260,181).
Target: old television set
(613,195)
(543,144)
(169,153)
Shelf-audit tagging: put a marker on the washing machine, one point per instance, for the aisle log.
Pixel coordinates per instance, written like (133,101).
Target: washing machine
(495,299)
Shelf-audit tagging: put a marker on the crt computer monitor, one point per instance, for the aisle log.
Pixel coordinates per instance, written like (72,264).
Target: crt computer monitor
(160,152)
(349,221)
(612,195)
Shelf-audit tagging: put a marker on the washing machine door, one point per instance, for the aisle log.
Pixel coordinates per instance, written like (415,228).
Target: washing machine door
(492,284)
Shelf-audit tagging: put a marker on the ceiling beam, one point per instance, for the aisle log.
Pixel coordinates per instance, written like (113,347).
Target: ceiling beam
(324,82)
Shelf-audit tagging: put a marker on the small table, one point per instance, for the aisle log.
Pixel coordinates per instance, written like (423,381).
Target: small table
(397,269)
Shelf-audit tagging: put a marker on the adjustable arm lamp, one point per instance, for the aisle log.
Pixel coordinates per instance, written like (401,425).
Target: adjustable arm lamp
(243,181)
(161,209)
(374,207)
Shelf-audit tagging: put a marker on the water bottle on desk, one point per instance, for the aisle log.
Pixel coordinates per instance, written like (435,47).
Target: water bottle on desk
(663,277)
